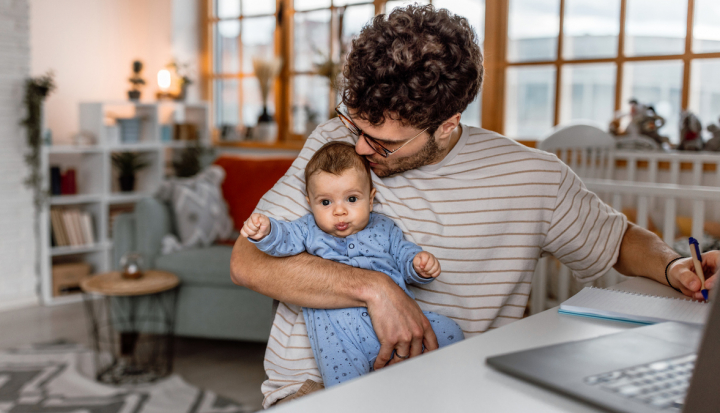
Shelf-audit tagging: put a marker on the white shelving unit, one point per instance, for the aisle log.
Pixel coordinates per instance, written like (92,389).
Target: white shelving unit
(96,179)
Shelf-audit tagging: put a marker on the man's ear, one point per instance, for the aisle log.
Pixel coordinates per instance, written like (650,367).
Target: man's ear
(445,130)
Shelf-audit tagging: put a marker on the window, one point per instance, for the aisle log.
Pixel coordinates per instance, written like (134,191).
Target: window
(565,60)
(240,31)
(312,37)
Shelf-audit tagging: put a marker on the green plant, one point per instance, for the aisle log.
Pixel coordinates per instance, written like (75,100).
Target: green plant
(36,90)
(127,163)
(188,163)
(136,80)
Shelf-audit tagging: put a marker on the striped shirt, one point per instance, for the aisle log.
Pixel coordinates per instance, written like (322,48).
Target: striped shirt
(487,211)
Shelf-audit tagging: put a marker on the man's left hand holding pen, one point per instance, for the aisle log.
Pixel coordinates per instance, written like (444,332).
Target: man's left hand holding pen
(681,274)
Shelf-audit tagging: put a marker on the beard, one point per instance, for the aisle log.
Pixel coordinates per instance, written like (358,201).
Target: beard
(429,154)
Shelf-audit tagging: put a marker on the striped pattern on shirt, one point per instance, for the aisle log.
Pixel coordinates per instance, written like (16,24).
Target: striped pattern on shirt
(488,211)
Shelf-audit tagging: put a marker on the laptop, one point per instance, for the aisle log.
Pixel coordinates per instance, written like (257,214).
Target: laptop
(665,367)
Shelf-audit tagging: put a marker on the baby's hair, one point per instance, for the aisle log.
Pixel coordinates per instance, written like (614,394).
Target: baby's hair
(336,158)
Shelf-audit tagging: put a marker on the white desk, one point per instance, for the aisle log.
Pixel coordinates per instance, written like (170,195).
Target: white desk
(456,378)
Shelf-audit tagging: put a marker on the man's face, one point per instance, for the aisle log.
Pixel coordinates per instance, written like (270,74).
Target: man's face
(392,134)
(341,204)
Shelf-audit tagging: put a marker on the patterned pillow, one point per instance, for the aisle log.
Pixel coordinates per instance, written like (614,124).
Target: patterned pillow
(200,212)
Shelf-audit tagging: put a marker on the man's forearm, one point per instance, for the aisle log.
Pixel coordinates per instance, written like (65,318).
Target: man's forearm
(644,254)
(303,279)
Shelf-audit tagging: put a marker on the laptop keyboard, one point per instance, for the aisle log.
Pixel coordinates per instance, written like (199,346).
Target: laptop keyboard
(662,384)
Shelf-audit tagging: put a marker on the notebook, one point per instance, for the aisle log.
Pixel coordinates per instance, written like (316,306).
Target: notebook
(632,307)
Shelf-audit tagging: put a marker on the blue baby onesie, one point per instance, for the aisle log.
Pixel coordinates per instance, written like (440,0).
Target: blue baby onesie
(343,340)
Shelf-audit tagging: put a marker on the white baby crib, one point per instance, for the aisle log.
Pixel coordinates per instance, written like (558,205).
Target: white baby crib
(662,189)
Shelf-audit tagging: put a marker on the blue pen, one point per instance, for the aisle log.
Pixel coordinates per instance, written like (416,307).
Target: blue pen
(696,256)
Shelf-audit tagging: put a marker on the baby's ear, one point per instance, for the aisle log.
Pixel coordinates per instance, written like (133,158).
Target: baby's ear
(307,200)
(372,197)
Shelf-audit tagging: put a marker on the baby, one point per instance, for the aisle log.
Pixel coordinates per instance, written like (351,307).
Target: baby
(343,228)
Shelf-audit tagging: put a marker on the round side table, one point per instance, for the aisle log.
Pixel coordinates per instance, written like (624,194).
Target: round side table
(131,324)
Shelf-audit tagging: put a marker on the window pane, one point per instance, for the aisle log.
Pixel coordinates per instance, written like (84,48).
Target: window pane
(471,115)
(312,31)
(657,84)
(706,30)
(255,7)
(533,29)
(310,4)
(591,28)
(310,103)
(252,101)
(473,10)
(588,92)
(227,105)
(227,58)
(655,27)
(394,4)
(346,2)
(705,92)
(257,40)
(529,101)
(353,21)
(227,9)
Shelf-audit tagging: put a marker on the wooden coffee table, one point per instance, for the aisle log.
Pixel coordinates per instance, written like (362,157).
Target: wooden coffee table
(131,325)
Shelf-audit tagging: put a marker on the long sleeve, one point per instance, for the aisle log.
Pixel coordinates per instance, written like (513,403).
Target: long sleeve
(403,252)
(285,238)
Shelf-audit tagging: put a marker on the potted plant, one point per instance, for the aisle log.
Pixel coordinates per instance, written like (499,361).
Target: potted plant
(136,81)
(127,164)
(182,71)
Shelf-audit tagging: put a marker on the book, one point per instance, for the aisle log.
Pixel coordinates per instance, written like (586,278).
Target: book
(55,180)
(87,227)
(632,307)
(77,226)
(58,227)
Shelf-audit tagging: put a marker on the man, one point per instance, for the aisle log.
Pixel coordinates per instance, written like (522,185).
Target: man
(486,206)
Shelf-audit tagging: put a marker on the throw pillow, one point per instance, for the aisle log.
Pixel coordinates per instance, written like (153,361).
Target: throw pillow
(200,212)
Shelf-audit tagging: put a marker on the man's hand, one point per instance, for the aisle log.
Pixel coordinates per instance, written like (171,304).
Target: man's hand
(256,227)
(426,265)
(682,274)
(400,325)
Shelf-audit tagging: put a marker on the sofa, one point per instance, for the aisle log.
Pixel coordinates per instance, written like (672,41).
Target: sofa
(208,303)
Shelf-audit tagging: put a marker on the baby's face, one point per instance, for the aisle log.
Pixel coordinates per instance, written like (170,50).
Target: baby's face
(341,204)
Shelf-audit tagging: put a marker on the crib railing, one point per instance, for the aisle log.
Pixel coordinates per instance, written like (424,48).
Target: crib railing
(640,195)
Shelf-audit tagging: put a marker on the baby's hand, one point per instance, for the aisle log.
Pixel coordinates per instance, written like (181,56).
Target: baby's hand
(426,265)
(256,227)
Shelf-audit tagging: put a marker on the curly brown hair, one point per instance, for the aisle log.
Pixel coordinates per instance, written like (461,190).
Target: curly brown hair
(418,65)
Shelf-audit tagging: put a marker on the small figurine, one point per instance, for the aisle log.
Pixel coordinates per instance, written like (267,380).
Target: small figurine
(638,129)
(714,143)
(690,128)
(136,81)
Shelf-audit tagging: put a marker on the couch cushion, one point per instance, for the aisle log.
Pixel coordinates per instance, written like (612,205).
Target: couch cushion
(205,266)
(247,180)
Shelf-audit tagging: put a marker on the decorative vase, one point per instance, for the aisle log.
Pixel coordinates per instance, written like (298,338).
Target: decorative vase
(127,183)
(134,95)
(266,129)
(183,92)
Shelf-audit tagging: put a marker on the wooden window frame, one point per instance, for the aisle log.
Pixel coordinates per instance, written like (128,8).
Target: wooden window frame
(497,15)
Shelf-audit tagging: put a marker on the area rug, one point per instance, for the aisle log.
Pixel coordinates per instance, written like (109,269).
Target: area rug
(56,378)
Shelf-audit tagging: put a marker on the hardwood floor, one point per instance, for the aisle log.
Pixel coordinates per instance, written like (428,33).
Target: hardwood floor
(230,368)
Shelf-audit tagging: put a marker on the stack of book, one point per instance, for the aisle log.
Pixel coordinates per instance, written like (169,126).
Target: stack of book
(71,227)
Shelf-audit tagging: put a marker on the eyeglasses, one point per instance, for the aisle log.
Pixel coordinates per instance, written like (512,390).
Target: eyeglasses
(374,144)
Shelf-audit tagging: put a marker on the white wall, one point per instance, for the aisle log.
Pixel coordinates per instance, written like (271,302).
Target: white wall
(17,242)
(90,45)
